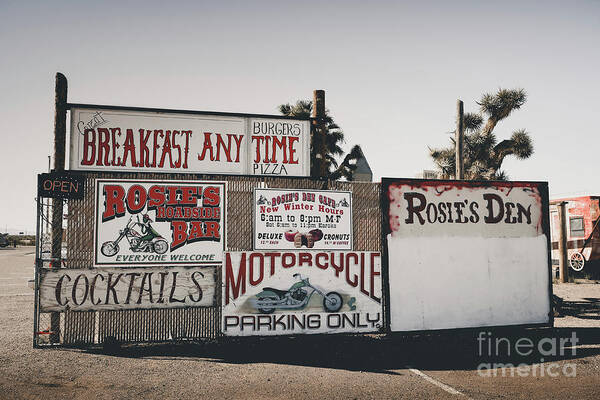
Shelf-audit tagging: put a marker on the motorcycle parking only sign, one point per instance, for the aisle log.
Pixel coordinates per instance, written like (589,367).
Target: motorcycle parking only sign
(148,222)
(297,219)
(285,293)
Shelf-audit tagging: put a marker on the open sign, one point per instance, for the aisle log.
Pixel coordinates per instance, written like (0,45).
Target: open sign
(62,185)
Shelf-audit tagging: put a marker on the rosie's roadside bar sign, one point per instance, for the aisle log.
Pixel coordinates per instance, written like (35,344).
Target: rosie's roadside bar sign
(298,219)
(119,140)
(151,222)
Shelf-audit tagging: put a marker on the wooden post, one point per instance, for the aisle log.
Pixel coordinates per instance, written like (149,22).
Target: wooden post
(48,200)
(563,262)
(318,114)
(60,133)
(459,139)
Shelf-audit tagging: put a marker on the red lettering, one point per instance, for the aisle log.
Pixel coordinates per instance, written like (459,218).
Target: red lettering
(187,147)
(144,150)
(103,146)
(234,289)
(166,150)
(115,145)
(136,199)
(291,150)
(129,148)
(157,133)
(113,201)
(156,196)
(212,229)
(354,282)
(179,234)
(258,140)
(177,163)
(89,147)
(304,258)
(188,195)
(211,196)
(281,143)
(253,256)
(207,147)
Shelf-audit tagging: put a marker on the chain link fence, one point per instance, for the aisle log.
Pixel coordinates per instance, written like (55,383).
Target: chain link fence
(71,245)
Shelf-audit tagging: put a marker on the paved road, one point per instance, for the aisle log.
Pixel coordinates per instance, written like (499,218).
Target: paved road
(368,367)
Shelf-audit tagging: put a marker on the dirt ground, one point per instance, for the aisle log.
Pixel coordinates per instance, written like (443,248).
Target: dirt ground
(449,365)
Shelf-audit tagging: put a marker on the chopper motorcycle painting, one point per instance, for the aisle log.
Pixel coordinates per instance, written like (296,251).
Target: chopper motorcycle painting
(148,240)
(296,297)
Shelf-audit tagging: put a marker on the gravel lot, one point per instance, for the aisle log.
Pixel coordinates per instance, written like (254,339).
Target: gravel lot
(369,367)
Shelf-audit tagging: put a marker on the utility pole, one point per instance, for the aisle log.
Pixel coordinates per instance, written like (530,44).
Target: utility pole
(48,203)
(60,133)
(318,114)
(459,139)
(563,267)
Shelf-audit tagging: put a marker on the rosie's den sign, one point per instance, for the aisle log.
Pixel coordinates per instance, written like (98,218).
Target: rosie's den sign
(466,254)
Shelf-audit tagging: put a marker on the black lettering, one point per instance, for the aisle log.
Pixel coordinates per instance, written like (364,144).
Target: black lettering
(491,218)
(58,290)
(474,218)
(413,209)
(197,286)
(172,298)
(110,287)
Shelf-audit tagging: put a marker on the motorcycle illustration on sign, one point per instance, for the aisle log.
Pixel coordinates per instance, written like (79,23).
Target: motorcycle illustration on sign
(296,297)
(150,241)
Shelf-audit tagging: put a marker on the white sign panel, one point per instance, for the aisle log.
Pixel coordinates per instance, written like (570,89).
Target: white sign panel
(126,288)
(466,254)
(104,139)
(302,219)
(148,222)
(273,293)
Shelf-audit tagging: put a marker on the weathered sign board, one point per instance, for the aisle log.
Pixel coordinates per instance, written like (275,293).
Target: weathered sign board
(126,288)
(302,219)
(151,222)
(466,254)
(128,140)
(284,293)
(62,185)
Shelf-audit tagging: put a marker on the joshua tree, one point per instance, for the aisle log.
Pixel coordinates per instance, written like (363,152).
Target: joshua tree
(329,149)
(483,155)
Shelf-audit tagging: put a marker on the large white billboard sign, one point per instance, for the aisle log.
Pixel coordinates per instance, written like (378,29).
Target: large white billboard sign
(119,140)
(302,219)
(285,293)
(466,254)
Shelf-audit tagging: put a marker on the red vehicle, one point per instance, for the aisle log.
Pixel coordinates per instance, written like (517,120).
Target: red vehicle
(583,230)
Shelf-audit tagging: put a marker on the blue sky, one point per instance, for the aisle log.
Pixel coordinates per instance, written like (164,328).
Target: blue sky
(392,72)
